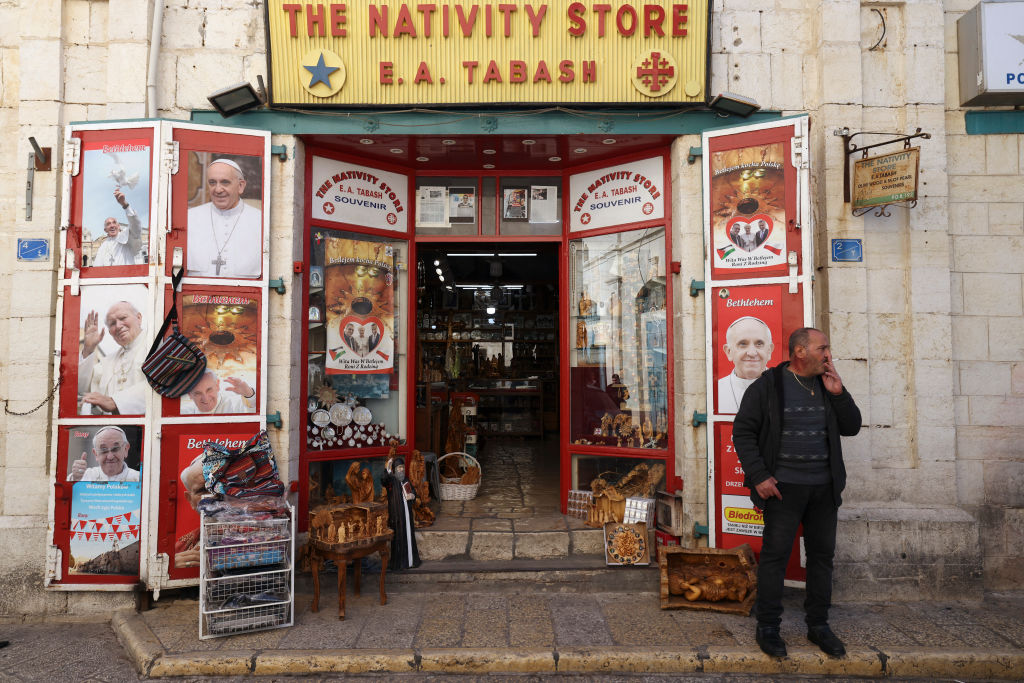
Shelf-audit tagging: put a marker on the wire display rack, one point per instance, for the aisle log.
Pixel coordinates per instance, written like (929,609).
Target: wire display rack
(247,575)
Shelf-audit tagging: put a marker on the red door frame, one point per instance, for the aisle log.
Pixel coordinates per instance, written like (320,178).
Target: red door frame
(306,457)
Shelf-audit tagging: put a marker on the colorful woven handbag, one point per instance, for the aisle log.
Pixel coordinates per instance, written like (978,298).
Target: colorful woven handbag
(174,363)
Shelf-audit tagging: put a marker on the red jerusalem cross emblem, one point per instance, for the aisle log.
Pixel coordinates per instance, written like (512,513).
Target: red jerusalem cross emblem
(654,73)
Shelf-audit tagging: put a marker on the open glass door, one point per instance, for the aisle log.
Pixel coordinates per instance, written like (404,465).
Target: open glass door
(617,396)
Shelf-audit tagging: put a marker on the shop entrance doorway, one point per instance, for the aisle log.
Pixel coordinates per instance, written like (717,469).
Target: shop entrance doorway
(487,373)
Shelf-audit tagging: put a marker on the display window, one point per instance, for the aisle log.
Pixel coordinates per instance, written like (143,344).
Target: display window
(110,212)
(588,470)
(98,501)
(107,329)
(618,357)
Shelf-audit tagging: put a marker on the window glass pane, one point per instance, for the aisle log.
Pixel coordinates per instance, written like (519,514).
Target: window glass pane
(587,468)
(357,351)
(447,205)
(327,479)
(617,335)
(488,205)
(531,206)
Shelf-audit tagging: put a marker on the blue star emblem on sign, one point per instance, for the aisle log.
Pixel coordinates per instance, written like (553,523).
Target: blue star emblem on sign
(321,72)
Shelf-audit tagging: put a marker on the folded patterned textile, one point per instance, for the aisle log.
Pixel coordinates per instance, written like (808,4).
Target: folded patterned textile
(244,472)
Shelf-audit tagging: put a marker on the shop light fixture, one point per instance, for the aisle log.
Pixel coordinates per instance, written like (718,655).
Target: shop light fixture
(491,310)
(608,141)
(511,286)
(422,159)
(518,254)
(490,151)
(441,278)
(365,141)
(437,262)
(396,150)
(528,141)
(731,103)
(488,166)
(438,271)
(448,141)
(488,254)
(580,150)
(237,98)
(553,159)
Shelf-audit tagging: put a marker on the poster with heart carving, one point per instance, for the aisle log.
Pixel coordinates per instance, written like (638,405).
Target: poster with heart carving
(748,208)
(359,288)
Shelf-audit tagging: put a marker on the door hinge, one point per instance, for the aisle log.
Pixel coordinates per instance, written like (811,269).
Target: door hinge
(53,563)
(170,157)
(72,155)
(157,573)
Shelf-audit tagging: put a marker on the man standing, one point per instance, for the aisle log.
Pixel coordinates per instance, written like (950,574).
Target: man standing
(115,384)
(110,447)
(120,248)
(748,345)
(207,398)
(225,235)
(786,435)
(762,231)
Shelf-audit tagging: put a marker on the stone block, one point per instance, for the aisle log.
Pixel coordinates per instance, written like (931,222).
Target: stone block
(992,188)
(956,293)
(955,123)
(541,545)
(970,482)
(587,541)
(201,74)
(993,294)
(235,28)
(25,491)
(126,77)
(968,217)
(847,292)
(984,378)
(132,20)
(892,448)
(740,32)
(41,56)
(787,80)
(1001,155)
(886,289)
(1004,483)
(1002,411)
(751,74)
(952,80)
(922,64)
(488,546)
(76,22)
(1006,218)
(98,15)
(929,289)
(39,20)
(1003,347)
(890,336)
(441,545)
(988,254)
(719,72)
(849,331)
(86,74)
(125,110)
(970,338)
(1017,378)
(792,31)
(840,22)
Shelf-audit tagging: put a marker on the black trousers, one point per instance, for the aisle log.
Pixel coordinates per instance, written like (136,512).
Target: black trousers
(815,507)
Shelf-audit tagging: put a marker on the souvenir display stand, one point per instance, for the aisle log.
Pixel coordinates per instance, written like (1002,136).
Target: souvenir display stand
(247,575)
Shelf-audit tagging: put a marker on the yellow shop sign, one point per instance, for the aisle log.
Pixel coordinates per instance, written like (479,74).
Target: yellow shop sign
(404,53)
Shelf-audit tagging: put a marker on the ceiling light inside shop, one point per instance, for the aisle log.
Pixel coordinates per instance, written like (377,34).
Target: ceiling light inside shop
(490,151)
(422,158)
(397,150)
(491,310)
(608,141)
(437,262)
(438,271)
(488,165)
(365,141)
(528,141)
(449,141)
(580,150)
(517,254)
(552,159)
(441,278)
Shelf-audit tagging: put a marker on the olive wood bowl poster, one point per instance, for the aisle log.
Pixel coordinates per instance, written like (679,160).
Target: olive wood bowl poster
(227,329)
(360,301)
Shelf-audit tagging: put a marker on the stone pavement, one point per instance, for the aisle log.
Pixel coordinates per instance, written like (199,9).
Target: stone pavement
(554,622)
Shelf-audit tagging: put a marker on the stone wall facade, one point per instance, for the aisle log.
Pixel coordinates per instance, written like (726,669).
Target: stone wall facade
(926,330)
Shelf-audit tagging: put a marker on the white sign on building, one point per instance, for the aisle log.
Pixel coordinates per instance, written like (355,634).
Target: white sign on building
(615,195)
(358,195)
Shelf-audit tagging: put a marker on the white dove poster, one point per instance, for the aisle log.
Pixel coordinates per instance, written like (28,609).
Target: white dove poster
(116,184)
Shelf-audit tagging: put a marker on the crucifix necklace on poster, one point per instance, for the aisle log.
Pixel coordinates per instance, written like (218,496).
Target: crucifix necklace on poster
(219,261)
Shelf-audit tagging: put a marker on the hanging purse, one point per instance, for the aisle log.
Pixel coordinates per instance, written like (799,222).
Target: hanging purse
(174,363)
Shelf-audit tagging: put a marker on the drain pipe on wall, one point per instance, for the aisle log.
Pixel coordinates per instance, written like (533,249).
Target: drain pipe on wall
(156,32)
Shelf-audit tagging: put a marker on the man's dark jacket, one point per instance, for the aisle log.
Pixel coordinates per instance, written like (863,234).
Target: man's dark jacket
(757,430)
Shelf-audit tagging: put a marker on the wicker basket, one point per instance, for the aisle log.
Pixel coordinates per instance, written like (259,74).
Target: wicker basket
(451,489)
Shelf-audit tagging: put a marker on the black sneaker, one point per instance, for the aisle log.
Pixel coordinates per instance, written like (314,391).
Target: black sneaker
(770,642)
(823,637)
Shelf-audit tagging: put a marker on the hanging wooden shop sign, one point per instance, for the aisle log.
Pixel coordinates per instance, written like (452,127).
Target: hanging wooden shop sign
(886,179)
